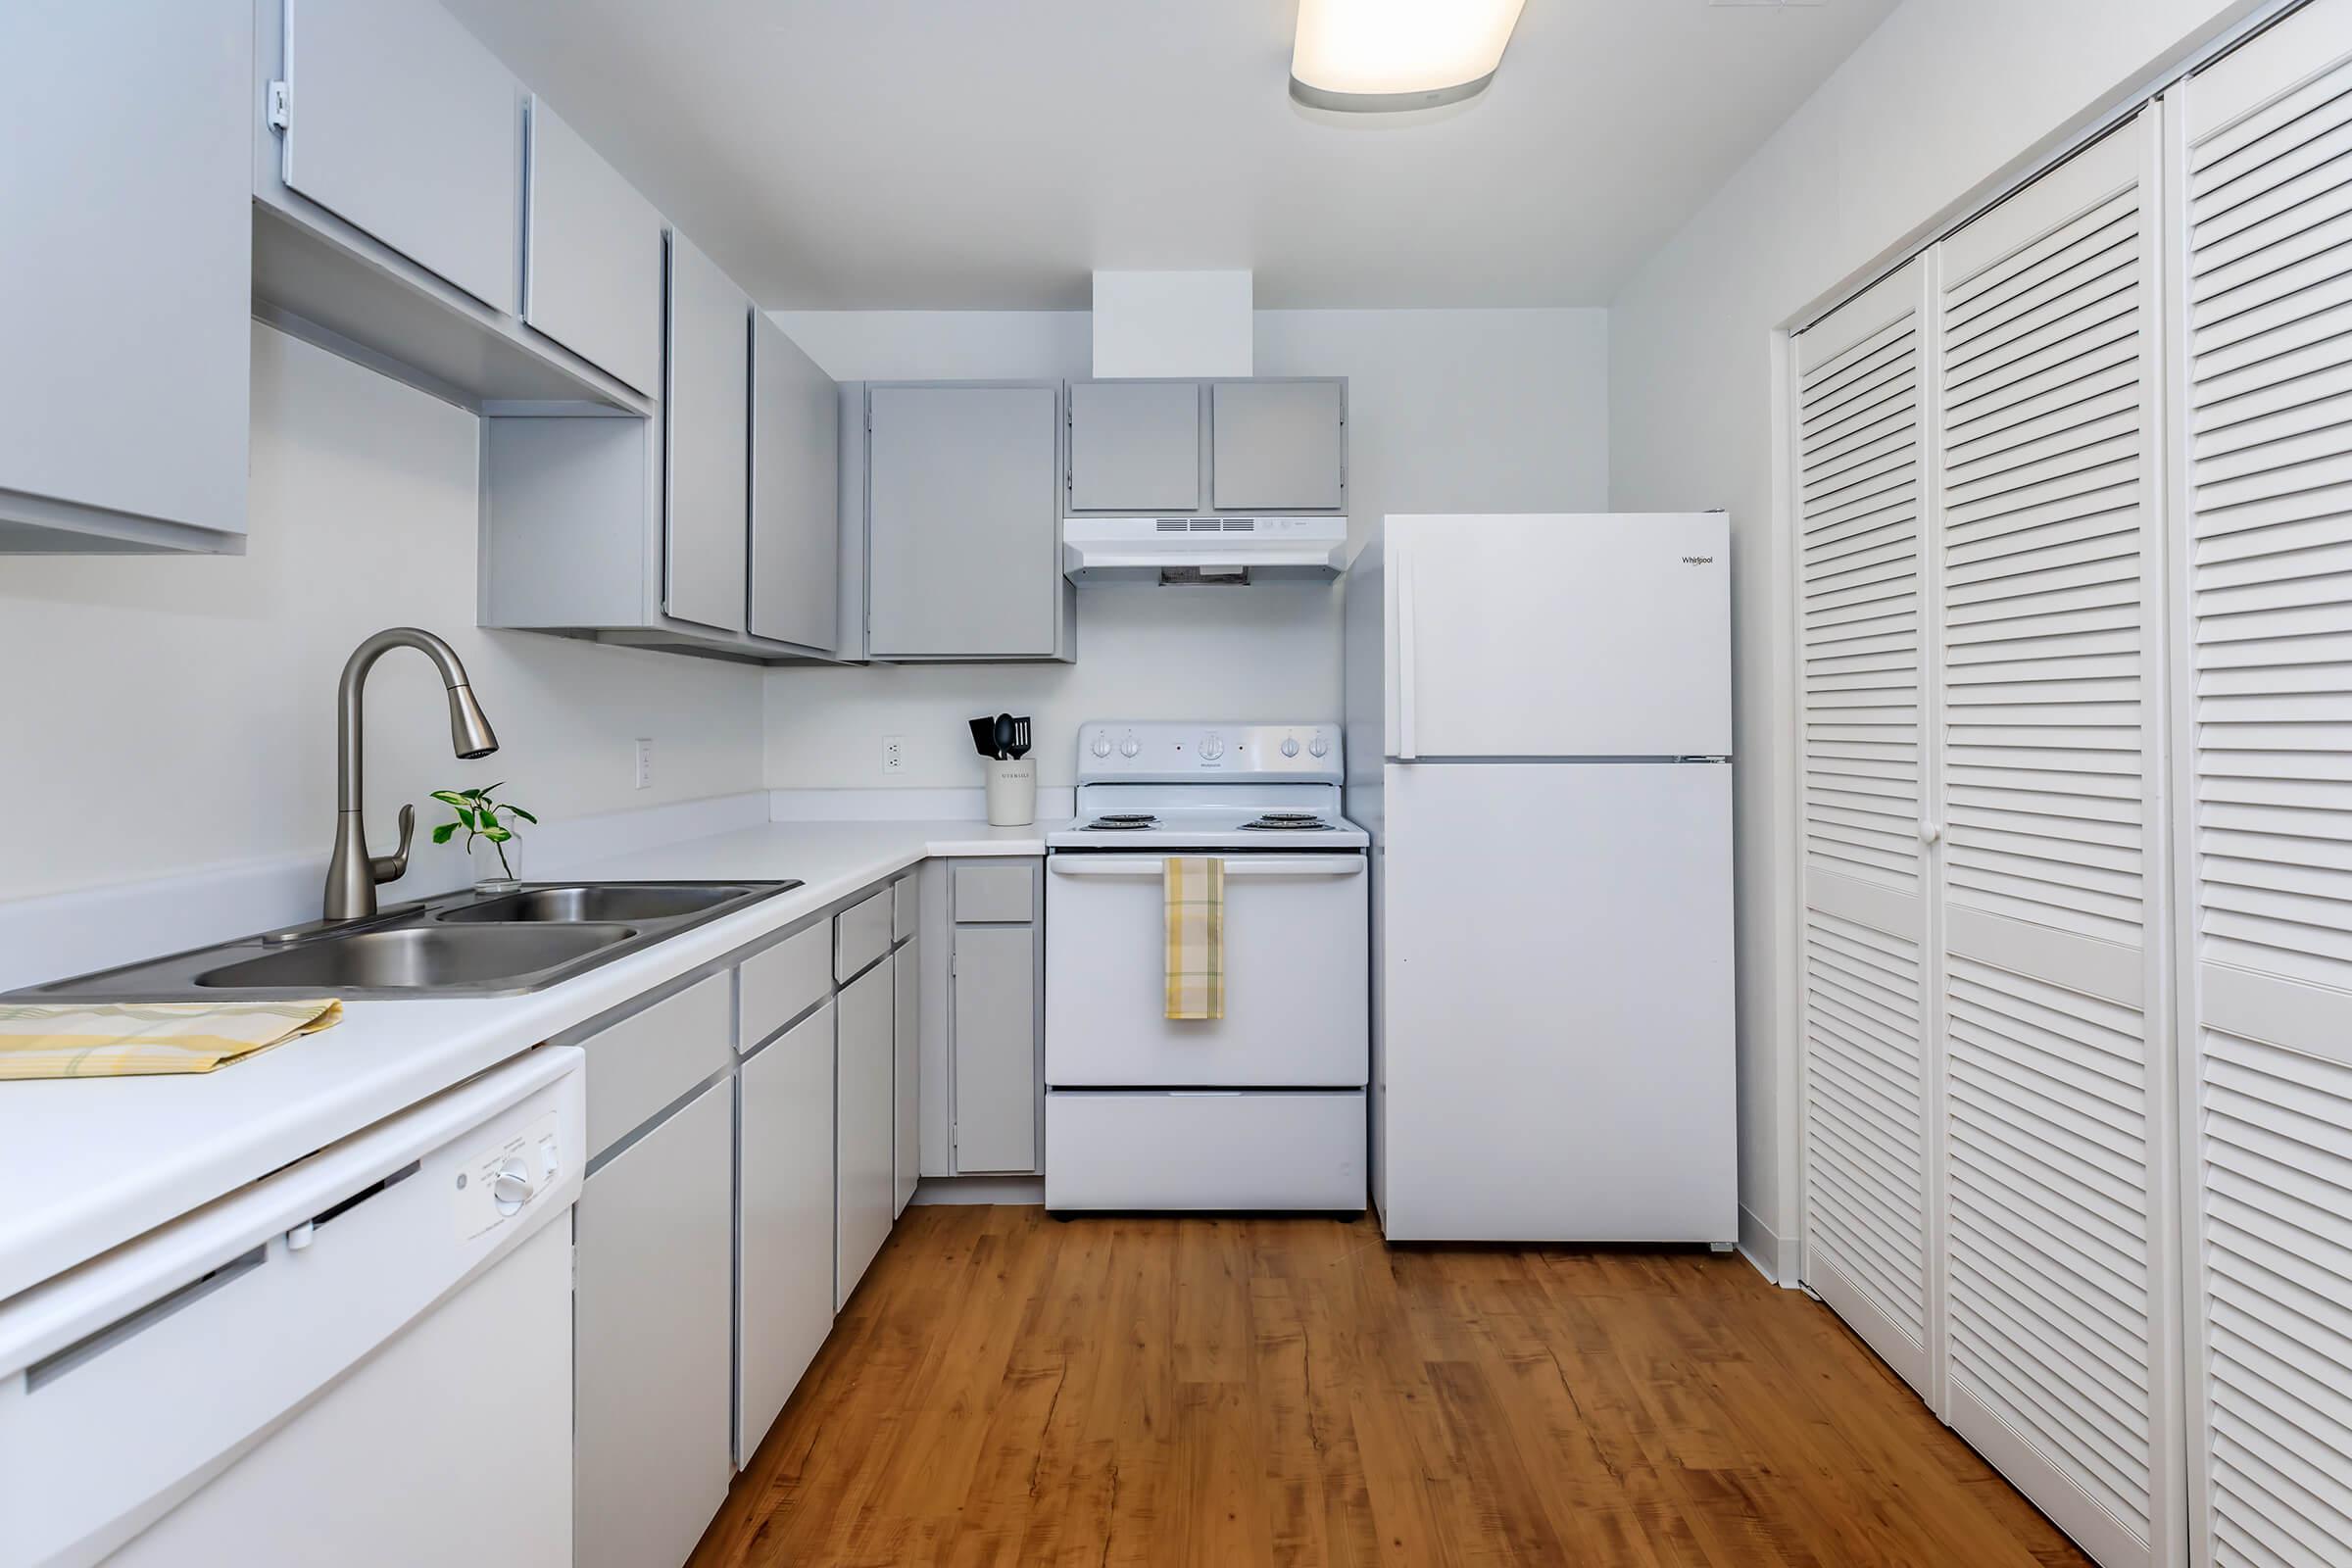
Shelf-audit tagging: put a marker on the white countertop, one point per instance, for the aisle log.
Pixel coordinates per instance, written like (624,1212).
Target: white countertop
(86,1164)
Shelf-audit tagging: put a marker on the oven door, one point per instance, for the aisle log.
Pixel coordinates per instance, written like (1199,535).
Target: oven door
(1296,944)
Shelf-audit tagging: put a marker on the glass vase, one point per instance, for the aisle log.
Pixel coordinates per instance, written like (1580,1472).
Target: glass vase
(497,868)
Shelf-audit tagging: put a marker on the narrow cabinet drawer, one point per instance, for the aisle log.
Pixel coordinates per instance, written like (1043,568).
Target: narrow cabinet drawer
(861,933)
(649,1059)
(994,893)
(784,982)
(906,901)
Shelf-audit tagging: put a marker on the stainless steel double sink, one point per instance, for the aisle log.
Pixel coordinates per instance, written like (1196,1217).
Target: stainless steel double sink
(460,944)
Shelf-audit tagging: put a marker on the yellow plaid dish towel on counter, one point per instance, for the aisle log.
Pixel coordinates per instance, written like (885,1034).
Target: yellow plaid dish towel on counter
(1193,887)
(126,1039)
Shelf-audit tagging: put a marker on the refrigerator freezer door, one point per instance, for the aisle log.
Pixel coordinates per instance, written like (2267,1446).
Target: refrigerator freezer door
(1559,635)
(1558,1003)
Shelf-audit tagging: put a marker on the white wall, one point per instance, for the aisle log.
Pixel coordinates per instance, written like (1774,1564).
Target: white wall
(1936,103)
(182,710)
(1449,411)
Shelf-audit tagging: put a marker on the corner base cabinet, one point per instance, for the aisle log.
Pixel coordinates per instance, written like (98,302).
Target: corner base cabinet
(864,1124)
(996,1023)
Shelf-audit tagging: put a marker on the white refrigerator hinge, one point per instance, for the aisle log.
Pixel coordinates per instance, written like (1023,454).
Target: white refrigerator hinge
(281,106)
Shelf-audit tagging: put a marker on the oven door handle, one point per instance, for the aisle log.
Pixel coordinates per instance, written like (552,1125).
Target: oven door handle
(1255,865)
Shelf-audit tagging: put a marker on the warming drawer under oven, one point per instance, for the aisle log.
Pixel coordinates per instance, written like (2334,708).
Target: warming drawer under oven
(1295,977)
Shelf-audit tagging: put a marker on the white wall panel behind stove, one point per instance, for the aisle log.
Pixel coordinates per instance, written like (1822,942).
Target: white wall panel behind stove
(1474,411)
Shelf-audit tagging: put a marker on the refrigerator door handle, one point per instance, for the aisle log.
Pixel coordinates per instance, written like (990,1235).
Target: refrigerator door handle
(1401,564)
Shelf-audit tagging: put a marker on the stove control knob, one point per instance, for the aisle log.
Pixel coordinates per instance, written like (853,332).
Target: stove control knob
(1130,747)
(1212,749)
(1290,746)
(1102,747)
(511,1188)
(1319,746)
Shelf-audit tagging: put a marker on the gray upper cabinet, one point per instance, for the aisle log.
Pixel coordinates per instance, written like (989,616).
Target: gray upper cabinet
(796,476)
(964,523)
(399,123)
(1135,446)
(592,277)
(1278,446)
(707,422)
(127,280)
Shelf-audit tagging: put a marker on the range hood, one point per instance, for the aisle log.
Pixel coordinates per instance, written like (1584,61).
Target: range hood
(1203,550)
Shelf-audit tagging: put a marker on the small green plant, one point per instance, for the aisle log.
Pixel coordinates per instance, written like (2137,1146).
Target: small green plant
(479,816)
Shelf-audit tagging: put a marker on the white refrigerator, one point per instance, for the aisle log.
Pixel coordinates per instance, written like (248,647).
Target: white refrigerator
(1539,740)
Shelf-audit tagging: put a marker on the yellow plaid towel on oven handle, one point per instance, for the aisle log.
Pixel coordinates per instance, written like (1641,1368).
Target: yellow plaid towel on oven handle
(1194,889)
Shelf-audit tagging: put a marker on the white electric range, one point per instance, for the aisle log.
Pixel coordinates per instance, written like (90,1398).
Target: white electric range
(1264,1107)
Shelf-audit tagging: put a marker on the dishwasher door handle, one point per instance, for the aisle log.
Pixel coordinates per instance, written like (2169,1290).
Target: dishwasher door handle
(1299,866)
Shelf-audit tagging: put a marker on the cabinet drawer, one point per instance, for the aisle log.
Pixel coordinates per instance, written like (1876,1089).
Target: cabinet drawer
(861,933)
(994,893)
(905,902)
(782,983)
(649,1059)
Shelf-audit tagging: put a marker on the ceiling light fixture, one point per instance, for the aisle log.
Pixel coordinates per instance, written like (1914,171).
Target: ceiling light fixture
(1373,55)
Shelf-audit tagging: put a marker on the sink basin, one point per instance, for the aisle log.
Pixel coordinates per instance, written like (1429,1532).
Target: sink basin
(613,900)
(452,945)
(419,958)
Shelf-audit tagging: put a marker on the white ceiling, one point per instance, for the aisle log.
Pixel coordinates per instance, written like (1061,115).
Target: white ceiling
(988,154)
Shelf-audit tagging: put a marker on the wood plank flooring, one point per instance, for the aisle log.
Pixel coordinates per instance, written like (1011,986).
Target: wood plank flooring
(1007,1389)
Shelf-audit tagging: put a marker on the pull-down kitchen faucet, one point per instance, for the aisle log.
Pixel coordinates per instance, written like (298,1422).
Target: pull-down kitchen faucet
(352,875)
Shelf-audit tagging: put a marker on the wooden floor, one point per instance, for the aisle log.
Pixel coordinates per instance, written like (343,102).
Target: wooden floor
(1009,1389)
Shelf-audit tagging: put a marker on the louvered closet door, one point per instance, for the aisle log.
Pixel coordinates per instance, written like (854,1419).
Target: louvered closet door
(2266,721)
(2055,1108)
(1867,1194)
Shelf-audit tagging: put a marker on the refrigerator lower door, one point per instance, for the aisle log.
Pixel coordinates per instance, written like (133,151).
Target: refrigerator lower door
(1558,1059)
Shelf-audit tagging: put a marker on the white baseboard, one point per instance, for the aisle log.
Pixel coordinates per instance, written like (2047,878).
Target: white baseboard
(70,933)
(1773,1258)
(1053,803)
(1029,1190)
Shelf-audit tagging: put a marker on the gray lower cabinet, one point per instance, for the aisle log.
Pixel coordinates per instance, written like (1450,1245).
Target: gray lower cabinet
(592,279)
(705,420)
(964,523)
(996,979)
(127,278)
(784,1278)
(1278,446)
(865,1123)
(906,1082)
(652,1309)
(1135,446)
(401,123)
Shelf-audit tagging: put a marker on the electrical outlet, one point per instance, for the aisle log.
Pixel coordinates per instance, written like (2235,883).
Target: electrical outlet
(645,762)
(894,754)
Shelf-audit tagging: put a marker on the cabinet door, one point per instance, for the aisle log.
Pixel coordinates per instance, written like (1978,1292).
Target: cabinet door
(1867,1196)
(906,1033)
(127,282)
(796,496)
(1135,446)
(592,277)
(865,1123)
(705,421)
(1279,445)
(993,1013)
(965,534)
(652,1319)
(785,1284)
(402,124)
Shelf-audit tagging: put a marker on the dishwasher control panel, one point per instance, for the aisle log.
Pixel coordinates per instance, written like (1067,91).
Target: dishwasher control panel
(496,1181)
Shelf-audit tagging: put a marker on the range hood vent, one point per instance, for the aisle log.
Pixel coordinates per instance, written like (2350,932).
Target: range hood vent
(1203,550)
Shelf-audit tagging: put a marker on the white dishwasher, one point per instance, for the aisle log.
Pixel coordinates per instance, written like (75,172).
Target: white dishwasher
(362,1359)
